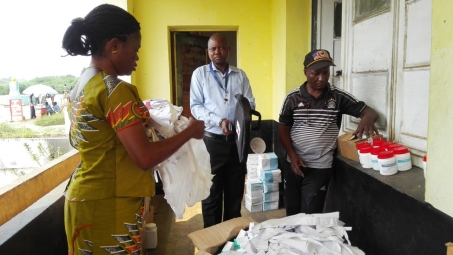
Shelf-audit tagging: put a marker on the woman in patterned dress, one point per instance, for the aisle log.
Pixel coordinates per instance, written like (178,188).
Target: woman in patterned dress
(108,127)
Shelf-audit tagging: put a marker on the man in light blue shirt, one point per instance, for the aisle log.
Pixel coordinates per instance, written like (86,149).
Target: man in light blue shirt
(212,100)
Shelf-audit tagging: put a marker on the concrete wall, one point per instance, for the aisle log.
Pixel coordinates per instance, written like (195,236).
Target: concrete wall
(439,174)
(388,214)
(16,196)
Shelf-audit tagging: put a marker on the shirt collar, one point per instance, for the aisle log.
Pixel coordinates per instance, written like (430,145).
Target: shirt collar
(230,68)
(303,91)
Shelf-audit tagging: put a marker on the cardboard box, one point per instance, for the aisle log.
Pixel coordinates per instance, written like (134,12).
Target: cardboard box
(271,196)
(253,188)
(267,161)
(267,206)
(253,200)
(347,145)
(210,240)
(270,176)
(257,207)
(270,187)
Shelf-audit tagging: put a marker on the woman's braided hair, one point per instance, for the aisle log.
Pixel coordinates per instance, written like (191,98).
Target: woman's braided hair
(88,36)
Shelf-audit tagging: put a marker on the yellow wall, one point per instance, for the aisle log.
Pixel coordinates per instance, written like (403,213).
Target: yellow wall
(439,174)
(250,17)
(270,36)
(290,42)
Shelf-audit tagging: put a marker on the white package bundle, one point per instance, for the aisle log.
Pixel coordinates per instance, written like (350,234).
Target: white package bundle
(270,187)
(186,175)
(270,176)
(267,161)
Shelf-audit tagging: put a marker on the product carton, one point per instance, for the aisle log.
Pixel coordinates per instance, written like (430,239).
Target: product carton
(253,199)
(210,240)
(270,187)
(253,188)
(257,207)
(271,196)
(270,176)
(347,145)
(267,206)
(267,161)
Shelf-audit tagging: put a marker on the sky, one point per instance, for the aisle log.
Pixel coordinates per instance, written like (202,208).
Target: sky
(31,37)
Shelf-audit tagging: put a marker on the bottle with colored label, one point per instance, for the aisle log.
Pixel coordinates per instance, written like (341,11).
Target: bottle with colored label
(403,158)
(387,163)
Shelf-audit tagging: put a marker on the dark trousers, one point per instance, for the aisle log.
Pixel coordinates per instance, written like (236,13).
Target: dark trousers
(227,183)
(32,112)
(305,194)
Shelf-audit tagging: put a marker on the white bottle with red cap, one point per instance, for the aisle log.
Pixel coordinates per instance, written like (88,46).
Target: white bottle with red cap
(374,157)
(403,158)
(424,166)
(387,163)
(365,156)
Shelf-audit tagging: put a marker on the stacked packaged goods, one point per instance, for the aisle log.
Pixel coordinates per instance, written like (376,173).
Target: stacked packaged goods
(264,177)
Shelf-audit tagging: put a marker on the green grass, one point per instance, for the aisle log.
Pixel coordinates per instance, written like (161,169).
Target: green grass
(50,120)
(6,132)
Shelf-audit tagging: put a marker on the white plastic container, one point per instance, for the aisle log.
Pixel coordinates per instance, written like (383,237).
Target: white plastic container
(424,166)
(364,157)
(403,158)
(387,163)
(374,157)
(151,236)
(362,145)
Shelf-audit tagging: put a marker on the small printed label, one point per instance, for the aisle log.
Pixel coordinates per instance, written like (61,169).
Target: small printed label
(388,165)
(404,160)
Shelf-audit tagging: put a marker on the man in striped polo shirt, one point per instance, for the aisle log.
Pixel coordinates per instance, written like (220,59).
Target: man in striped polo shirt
(310,121)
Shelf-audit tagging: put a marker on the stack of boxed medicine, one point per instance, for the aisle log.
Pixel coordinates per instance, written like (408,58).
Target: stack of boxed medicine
(262,184)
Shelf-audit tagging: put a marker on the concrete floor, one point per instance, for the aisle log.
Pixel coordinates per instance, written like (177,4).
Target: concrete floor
(172,234)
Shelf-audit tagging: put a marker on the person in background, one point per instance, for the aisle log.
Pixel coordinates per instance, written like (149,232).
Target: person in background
(212,91)
(32,106)
(56,107)
(310,120)
(106,192)
(48,108)
(43,98)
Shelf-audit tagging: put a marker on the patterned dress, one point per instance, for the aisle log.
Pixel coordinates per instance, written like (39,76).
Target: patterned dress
(104,197)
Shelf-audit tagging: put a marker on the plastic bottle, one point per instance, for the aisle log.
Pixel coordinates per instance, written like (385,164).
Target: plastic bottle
(378,142)
(361,145)
(374,157)
(391,147)
(386,145)
(151,236)
(387,163)
(424,166)
(403,158)
(364,156)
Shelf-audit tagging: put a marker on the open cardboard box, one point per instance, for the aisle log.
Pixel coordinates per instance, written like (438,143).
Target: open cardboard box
(347,145)
(210,240)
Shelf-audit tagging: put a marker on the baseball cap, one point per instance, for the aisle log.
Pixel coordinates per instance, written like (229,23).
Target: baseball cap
(317,59)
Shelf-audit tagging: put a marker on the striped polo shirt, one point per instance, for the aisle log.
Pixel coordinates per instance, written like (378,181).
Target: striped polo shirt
(315,122)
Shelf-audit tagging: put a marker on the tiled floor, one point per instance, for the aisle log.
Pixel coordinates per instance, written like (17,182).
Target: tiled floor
(172,234)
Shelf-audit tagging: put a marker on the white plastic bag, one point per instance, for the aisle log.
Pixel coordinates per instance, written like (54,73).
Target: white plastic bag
(186,175)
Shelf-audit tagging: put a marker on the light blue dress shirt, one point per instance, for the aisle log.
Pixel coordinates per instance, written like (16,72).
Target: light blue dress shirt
(207,97)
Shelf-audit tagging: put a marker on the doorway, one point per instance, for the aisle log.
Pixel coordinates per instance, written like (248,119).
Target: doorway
(188,52)
(326,33)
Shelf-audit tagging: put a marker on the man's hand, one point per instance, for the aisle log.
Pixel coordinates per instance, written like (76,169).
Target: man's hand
(225,129)
(296,163)
(366,125)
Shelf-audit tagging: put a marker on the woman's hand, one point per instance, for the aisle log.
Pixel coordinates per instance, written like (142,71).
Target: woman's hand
(197,128)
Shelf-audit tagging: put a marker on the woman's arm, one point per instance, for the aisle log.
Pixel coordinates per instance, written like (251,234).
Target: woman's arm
(148,154)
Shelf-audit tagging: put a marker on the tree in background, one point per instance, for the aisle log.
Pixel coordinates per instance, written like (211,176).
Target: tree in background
(57,81)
